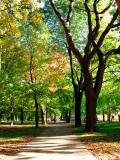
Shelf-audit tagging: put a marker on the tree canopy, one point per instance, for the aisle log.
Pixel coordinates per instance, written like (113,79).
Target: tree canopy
(43,46)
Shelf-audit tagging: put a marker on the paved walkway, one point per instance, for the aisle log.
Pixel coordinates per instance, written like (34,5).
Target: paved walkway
(55,143)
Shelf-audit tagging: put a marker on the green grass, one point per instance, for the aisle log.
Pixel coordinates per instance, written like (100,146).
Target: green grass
(19,123)
(105,127)
(13,133)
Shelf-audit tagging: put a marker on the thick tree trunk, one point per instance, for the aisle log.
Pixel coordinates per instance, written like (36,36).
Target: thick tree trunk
(21,116)
(91,101)
(91,121)
(43,115)
(36,112)
(92,90)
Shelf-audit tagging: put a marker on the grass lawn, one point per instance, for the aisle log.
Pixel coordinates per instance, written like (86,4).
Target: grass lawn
(105,144)
(12,138)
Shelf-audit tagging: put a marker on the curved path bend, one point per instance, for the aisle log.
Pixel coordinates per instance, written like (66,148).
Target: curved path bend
(55,143)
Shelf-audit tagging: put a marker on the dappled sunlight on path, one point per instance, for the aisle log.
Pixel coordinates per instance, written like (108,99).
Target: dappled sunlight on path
(55,143)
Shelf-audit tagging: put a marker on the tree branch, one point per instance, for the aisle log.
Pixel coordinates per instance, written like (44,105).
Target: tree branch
(71,64)
(101,39)
(57,12)
(118,4)
(81,83)
(89,28)
(66,27)
(112,72)
(97,27)
(115,25)
(107,80)
(112,52)
(107,8)
(70,10)
(77,76)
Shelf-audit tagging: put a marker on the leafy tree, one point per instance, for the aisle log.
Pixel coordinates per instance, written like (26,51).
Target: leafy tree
(58,37)
(97,33)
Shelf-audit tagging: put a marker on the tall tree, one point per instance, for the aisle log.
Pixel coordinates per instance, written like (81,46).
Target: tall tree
(58,37)
(78,90)
(93,48)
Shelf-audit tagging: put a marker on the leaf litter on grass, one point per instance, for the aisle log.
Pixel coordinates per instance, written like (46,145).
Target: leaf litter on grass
(15,137)
(103,145)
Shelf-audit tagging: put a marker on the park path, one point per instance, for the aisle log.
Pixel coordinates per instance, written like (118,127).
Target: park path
(55,143)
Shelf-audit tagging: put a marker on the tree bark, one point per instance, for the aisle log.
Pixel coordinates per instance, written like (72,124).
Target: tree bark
(36,112)
(78,98)
(103,116)
(21,116)
(78,91)
(11,115)
(118,4)
(0,116)
(43,115)
(68,116)
(91,121)
(91,100)
(108,116)
(46,116)
(11,111)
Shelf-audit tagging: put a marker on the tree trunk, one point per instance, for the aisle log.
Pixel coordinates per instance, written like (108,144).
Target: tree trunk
(36,112)
(91,121)
(21,116)
(68,116)
(92,90)
(103,116)
(12,116)
(61,117)
(0,116)
(91,101)
(46,117)
(11,111)
(43,115)
(78,91)
(78,98)
(108,116)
